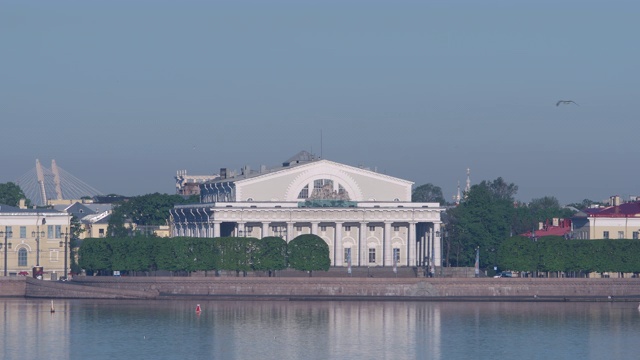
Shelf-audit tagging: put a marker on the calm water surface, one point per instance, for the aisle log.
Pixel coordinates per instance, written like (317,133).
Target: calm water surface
(93,329)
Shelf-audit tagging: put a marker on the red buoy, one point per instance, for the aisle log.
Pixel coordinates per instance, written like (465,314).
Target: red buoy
(198,309)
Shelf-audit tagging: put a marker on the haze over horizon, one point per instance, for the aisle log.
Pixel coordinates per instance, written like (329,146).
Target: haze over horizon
(124,94)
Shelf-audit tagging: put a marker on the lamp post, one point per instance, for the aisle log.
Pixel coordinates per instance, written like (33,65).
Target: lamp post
(6,234)
(37,234)
(535,240)
(66,241)
(440,242)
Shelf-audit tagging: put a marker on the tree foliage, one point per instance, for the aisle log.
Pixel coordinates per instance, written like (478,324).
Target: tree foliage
(271,254)
(554,253)
(309,252)
(482,220)
(10,194)
(150,209)
(428,193)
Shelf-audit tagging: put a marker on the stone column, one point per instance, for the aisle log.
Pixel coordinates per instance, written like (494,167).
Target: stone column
(290,234)
(265,229)
(362,244)
(240,229)
(314,227)
(411,244)
(216,228)
(437,245)
(337,246)
(387,247)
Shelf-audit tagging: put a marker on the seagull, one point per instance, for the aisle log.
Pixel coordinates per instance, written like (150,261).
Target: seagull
(566,102)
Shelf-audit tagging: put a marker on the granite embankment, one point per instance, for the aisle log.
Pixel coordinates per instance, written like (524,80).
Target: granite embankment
(420,289)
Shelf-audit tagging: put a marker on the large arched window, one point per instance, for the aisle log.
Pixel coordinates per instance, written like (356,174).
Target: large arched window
(22,257)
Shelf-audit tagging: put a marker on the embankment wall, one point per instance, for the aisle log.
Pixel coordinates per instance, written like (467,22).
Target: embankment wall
(342,288)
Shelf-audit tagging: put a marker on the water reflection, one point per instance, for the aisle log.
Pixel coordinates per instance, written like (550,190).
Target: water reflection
(81,329)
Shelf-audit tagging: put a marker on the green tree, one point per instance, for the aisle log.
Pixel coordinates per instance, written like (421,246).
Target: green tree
(270,254)
(95,255)
(76,231)
(10,194)
(150,209)
(482,219)
(428,193)
(309,252)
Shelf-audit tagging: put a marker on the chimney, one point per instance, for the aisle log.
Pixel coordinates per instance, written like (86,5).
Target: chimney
(23,204)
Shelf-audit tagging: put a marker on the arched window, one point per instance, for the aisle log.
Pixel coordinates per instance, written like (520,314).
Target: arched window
(22,257)
(304,193)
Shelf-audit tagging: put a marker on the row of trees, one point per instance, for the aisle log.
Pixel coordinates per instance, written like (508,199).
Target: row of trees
(553,253)
(305,252)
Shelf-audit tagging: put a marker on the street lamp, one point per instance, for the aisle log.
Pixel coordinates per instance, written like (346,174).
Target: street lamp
(66,241)
(6,234)
(38,234)
(535,240)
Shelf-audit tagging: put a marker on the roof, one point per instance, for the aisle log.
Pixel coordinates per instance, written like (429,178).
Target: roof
(563,229)
(302,156)
(630,209)
(12,209)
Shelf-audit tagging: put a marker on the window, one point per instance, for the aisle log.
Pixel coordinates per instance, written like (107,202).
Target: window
(347,228)
(22,257)
(58,231)
(304,193)
(8,231)
(299,228)
(396,228)
(620,234)
(605,235)
(323,228)
(372,228)
(635,235)
(347,255)
(53,255)
(49,231)
(249,230)
(101,233)
(372,255)
(274,229)
(396,255)
(23,232)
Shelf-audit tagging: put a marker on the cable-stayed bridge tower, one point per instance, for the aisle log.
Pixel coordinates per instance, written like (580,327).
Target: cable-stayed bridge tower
(41,184)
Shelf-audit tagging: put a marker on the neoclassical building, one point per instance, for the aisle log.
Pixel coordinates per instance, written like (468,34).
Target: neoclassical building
(364,216)
(34,238)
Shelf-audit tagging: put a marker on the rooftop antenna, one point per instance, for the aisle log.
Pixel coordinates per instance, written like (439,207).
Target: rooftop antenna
(320,143)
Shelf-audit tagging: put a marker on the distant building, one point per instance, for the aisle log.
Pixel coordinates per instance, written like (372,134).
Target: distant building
(188,185)
(618,221)
(555,227)
(365,217)
(93,217)
(28,231)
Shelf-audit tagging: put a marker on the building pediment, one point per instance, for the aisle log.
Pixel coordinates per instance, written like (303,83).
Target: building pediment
(315,178)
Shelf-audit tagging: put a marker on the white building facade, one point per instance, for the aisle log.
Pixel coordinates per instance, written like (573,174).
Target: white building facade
(366,218)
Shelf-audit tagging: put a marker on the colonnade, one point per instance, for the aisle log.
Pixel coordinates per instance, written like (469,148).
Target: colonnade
(367,243)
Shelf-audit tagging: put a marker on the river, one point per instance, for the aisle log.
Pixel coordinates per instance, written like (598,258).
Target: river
(98,329)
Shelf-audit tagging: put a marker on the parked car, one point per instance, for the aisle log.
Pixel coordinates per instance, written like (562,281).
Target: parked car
(504,274)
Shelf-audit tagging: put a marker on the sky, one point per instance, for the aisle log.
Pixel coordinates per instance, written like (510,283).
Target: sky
(122,94)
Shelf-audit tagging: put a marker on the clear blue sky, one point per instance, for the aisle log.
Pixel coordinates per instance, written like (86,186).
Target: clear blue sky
(124,93)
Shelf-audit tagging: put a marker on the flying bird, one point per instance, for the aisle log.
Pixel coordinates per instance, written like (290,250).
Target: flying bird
(566,102)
